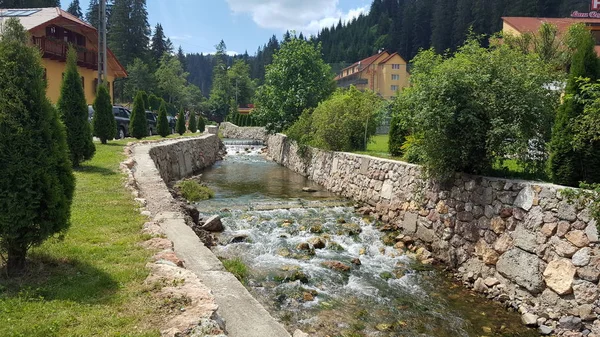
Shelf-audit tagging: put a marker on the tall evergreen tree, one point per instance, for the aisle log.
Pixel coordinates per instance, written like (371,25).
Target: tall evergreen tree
(192,126)
(36,178)
(91,16)
(73,111)
(104,123)
(159,44)
(75,9)
(163,122)
(181,58)
(180,125)
(568,166)
(138,125)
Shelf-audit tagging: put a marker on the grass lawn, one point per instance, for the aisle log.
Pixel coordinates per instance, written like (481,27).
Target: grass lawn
(90,281)
(378,147)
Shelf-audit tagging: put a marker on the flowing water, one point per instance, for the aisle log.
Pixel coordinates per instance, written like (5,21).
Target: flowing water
(269,220)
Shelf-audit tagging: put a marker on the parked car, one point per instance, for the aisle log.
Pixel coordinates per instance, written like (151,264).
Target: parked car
(172,123)
(152,122)
(121,117)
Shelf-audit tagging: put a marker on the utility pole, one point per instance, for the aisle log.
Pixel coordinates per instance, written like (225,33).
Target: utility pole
(102,60)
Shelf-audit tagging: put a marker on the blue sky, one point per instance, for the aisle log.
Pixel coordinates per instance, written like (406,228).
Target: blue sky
(198,25)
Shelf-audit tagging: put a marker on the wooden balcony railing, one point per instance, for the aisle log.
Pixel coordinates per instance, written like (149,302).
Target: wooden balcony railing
(57,50)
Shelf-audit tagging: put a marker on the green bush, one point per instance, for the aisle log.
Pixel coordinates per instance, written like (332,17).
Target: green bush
(201,123)
(138,124)
(237,267)
(193,191)
(145,99)
(73,111)
(192,123)
(344,122)
(398,134)
(154,102)
(103,122)
(180,126)
(163,123)
(36,178)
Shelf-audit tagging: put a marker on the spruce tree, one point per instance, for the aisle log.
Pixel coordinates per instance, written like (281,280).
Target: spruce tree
(568,166)
(158,47)
(104,123)
(192,123)
(75,9)
(201,124)
(138,125)
(73,111)
(180,126)
(146,100)
(163,122)
(36,178)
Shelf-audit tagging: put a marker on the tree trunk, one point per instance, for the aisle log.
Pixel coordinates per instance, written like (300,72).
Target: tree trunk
(16,259)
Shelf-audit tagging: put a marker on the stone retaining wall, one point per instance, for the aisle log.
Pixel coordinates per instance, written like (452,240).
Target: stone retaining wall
(176,160)
(518,242)
(229,130)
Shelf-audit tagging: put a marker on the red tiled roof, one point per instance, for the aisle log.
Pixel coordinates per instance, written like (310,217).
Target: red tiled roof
(531,25)
(388,58)
(364,64)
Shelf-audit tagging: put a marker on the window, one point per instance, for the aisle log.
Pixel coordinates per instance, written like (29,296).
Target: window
(395,88)
(395,66)
(395,77)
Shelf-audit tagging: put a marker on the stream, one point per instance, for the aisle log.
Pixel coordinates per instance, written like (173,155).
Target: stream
(318,266)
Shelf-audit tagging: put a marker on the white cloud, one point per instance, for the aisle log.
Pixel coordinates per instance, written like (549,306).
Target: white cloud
(307,16)
(181,37)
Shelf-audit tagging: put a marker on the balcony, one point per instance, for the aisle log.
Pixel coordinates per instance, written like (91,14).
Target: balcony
(57,50)
(353,79)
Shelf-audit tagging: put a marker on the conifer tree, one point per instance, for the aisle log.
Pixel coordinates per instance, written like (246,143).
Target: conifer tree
(201,124)
(75,9)
(163,121)
(73,111)
(104,123)
(36,178)
(138,125)
(192,123)
(146,100)
(567,164)
(180,126)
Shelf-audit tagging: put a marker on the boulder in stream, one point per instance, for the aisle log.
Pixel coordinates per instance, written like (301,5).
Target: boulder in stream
(336,265)
(213,224)
(309,189)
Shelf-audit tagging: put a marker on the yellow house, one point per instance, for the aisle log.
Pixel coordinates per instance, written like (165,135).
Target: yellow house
(383,73)
(52,30)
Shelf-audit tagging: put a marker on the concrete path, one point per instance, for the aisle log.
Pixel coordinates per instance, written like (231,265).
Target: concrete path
(244,316)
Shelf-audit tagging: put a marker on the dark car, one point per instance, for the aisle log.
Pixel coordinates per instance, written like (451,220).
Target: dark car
(152,121)
(121,117)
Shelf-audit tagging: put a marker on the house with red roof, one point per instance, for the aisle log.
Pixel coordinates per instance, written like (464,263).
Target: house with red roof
(383,73)
(52,30)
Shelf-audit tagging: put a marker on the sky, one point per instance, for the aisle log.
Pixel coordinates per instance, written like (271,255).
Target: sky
(244,25)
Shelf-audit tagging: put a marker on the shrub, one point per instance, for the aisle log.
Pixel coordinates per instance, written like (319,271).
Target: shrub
(163,123)
(344,122)
(36,178)
(154,102)
(145,99)
(180,126)
(138,124)
(73,111)
(193,191)
(237,267)
(103,122)
(201,124)
(192,123)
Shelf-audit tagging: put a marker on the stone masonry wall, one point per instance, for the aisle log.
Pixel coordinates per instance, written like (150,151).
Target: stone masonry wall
(176,160)
(233,131)
(518,242)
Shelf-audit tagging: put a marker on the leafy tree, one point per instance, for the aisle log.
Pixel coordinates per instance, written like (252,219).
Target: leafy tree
(192,97)
(73,111)
(138,125)
(344,122)
(75,9)
(139,78)
(103,122)
(297,80)
(171,78)
(201,124)
(192,123)
(221,93)
(568,165)
(180,125)
(239,81)
(36,178)
(477,107)
(163,123)
(155,102)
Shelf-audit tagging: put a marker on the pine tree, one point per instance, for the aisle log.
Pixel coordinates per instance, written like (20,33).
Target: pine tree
(138,124)
(104,123)
(146,100)
(201,124)
(567,165)
(36,178)
(73,111)
(163,121)
(159,44)
(180,126)
(181,58)
(75,9)
(192,123)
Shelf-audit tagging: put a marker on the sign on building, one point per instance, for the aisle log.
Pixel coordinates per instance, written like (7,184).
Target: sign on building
(593,13)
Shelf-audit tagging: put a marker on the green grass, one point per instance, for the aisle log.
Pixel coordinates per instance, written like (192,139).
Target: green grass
(378,147)
(237,267)
(193,191)
(90,281)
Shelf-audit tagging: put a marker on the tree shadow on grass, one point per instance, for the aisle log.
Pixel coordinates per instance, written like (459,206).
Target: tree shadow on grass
(95,169)
(48,278)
